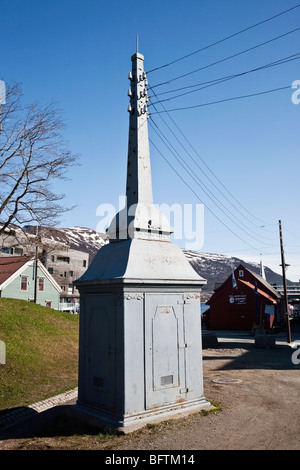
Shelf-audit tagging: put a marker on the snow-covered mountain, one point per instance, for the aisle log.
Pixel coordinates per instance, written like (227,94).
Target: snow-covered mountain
(75,238)
(215,268)
(84,239)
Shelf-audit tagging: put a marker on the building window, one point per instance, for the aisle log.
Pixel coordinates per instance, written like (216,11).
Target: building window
(241,273)
(63,259)
(49,303)
(8,251)
(19,251)
(41,284)
(84,263)
(63,288)
(52,258)
(24,283)
(70,289)
(50,270)
(71,273)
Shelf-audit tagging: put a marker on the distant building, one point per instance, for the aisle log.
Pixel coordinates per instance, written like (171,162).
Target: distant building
(18,281)
(243,299)
(293,290)
(65,265)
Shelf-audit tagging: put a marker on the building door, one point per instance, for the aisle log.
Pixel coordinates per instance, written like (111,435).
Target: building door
(173,369)
(100,356)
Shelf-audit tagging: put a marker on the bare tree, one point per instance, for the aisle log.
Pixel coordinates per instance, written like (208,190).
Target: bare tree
(33,153)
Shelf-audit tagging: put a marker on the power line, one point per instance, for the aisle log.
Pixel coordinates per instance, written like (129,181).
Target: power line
(197,182)
(178,174)
(296,236)
(226,78)
(159,112)
(215,200)
(226,58)
(222,101)
(225,39)
(207,82)
(225,197)
(199,156)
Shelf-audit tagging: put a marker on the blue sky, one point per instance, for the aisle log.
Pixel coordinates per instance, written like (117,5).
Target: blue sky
(78,53)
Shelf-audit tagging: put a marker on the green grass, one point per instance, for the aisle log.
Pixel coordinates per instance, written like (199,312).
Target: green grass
(41,352)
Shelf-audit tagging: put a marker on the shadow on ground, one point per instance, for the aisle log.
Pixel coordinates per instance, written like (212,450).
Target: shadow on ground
(232,351)
(57,421)
(279,358)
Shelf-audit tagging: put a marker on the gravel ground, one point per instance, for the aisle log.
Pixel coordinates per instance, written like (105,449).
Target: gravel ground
(257,390)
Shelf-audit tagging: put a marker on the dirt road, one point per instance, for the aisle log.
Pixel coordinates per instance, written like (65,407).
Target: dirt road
(259,411)
(259,401)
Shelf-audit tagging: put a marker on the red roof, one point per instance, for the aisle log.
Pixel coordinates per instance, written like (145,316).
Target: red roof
(10,264)
(261,292)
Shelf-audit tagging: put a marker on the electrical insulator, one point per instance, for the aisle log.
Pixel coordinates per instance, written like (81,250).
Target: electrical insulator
(130,76)
(129,92)
(129,109)
(145,108)
(146,82)
(144,75)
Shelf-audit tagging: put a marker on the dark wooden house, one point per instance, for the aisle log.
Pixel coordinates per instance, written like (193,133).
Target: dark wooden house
(243,299)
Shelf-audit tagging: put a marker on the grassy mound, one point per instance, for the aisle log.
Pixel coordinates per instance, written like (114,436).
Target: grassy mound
(41,352)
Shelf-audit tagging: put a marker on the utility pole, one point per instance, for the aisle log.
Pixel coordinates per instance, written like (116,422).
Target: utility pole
(256,305)
(286,308)
(36,265)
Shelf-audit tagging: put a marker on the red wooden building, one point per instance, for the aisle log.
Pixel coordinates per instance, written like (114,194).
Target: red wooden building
(243,299)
